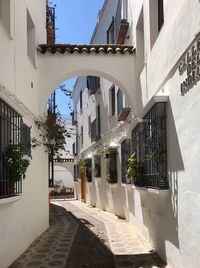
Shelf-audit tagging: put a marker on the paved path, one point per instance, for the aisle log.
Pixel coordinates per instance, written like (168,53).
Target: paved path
(121,240)
(52,248)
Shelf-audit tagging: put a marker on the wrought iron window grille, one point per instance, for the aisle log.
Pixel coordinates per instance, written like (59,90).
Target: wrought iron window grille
(149,143)
(10,133)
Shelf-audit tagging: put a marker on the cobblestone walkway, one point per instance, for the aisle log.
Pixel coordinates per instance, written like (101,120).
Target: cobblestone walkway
(117,241)
(52,248)
(129,247)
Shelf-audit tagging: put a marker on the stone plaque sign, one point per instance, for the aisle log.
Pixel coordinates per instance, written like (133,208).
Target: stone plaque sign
(190,63)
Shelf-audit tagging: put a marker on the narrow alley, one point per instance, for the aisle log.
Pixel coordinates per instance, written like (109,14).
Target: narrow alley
(83,236)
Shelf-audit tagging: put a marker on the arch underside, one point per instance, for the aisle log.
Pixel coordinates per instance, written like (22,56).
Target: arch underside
(55,67)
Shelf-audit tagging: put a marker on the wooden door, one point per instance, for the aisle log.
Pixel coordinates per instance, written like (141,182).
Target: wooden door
(83,183)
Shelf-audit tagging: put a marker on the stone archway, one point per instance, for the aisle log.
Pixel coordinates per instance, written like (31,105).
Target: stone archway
(58,63)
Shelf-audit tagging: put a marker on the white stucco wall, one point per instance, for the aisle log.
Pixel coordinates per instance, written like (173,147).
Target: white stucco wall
(23,218)
(170,219)
(64,172)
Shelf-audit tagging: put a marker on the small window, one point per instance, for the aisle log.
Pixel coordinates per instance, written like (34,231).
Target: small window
(75,173)
(98,116)
(111,33)
(77,144)
(160,14)
(93,84)
(119,101)
(5,13)
(74,148)
(30,38)
(81,135)
(156,14)
(97,166)
(81,101)
(89,126)
(112,94)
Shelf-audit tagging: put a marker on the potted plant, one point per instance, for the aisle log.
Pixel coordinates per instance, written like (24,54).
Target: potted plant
(134,170)
(16,164)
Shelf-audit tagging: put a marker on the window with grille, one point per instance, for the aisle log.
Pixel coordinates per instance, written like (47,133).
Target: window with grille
(137,142)
(88,166)
(97,166)
(149,143)
(155,147)
(125,154)
(10,133)
(111,166)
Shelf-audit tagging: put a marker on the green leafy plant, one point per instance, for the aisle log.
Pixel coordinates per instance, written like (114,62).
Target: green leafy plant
(53,133)
(16,164)
(150,154)
(133,168)
(82,162)
(111,166)
(104,151)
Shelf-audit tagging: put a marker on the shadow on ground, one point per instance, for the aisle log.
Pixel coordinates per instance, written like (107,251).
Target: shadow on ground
(78,242)
(88,250)
(91,248)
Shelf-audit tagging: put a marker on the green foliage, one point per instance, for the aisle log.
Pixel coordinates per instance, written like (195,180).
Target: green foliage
(53,133)
(17,166)
(104,151)
(133,168)
(111,165)
(82,162)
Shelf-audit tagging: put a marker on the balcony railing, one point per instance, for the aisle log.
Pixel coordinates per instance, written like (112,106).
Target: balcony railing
(50,24)
(121,21)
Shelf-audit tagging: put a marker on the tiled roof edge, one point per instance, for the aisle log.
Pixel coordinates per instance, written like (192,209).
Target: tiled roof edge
(92,48)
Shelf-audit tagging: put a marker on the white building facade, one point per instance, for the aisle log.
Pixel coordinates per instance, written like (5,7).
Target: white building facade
(27,78)
(64,167)
(161,128)
(24,213)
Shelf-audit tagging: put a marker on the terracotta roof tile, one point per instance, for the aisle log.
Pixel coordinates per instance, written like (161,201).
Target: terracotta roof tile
(68,48)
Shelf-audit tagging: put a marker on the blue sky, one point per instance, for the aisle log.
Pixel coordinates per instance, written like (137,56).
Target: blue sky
(75,20)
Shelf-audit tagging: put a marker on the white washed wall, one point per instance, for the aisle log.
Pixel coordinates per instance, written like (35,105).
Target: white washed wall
(23,219)
(170,219)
